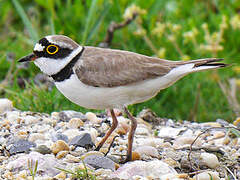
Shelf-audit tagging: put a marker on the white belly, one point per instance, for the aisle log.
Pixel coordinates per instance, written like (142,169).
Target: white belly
(115,97)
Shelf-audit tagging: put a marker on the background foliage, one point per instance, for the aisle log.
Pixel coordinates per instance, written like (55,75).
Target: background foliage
(170,29)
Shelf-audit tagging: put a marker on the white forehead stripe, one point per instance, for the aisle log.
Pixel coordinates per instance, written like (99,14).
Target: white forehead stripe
(61,44)
(38,47)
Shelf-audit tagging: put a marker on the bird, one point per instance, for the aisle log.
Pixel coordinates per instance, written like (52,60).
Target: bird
(103,78)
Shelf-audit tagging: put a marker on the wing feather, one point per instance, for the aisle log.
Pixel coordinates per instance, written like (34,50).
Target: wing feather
(109,68)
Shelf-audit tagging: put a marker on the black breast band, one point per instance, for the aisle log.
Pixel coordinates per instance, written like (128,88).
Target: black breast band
(67,71)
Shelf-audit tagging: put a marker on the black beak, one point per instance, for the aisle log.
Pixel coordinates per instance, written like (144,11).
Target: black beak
(30,57)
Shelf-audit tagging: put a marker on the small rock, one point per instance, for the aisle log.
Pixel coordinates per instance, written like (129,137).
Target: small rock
(170,132)
(20,146)
(30,119)
(135,156)
(237,122)
(5,105)
(13,116)
(83,140)
(71,133)
(209,160)
(61,175)
(36,136)
(61,154)
(59,146)
(97,162)
(65,116)
(46,163)
(208,175)
(154,169)
(147,151)
(142,131)
(211,124)
(75,123)
(93,118)
(43,149)
(59,136)
(186,141)
(72,159)
(90,153)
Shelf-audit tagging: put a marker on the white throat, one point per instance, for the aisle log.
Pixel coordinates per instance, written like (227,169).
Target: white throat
(51,66)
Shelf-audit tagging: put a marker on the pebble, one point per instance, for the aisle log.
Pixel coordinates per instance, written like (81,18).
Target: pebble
(36,136)
(5,105)
(59,136)
(212,124)
(208,175)
(65,116)
(61,154)
(58,146)
(210,160)
(71,133)
(183,141)
(170,132)
(83,140)
(72,159)
(154,169)
(147,151)
(61,175)
(142,131)
(20,146)
(43,149)
(46,163)
(93,118)
(98,161)
(75,123)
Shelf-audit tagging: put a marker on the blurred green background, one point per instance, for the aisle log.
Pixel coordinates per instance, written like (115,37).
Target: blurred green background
(169,29)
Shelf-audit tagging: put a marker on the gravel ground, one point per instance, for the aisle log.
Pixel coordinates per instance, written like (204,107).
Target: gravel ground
(65,141)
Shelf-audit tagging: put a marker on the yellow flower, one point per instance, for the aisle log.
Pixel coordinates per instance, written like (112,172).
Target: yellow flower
(236,69)
(205,26)
(235,22)
(159,29)
(161,53)
(185,57)
(171,38)
(140,32)
(188,36)
(133,9)
(176,28)
(224,24)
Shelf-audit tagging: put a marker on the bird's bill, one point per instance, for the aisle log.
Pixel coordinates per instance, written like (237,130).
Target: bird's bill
(30,57)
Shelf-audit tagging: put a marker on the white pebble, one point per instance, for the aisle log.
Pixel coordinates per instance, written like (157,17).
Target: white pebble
(5,105)
(36,136)
(209,160)
(93,118)
(72,159)
(30,119)
(71,133)
(147,150)
(208,175)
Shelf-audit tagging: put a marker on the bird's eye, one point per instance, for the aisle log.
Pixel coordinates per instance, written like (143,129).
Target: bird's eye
(52,49)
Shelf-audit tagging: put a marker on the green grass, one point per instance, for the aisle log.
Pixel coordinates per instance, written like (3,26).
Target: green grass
(22,22)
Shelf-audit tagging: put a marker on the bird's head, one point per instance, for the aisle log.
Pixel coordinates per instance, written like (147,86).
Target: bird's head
(52,53)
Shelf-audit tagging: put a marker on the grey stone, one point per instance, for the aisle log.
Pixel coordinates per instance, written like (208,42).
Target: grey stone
(98,162)
(20,146)
(83,140)
(59,136)
(43,149)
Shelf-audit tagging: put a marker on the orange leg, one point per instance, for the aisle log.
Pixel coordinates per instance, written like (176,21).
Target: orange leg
(113,127)
(130,135)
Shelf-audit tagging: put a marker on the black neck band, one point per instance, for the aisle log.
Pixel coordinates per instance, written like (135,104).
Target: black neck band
(67,71)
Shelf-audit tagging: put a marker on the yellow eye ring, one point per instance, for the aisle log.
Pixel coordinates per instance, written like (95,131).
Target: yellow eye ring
(50,49)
